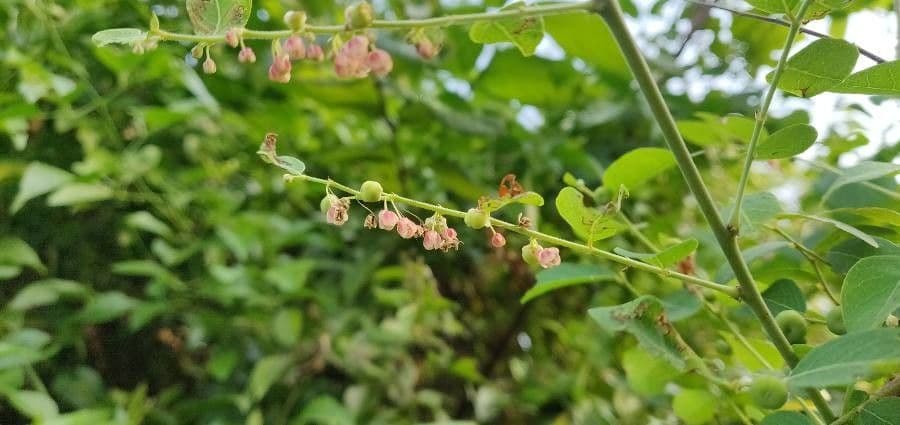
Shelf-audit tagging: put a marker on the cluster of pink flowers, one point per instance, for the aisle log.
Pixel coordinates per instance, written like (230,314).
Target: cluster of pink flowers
(355,60)
(536,254)
(293,49)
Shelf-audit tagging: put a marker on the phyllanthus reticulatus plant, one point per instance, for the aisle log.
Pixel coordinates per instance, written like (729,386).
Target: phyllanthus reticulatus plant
(354,51)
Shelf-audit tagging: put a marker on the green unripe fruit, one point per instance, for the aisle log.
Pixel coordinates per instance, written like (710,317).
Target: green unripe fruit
(768,392)
(359,15)
(295,20)
(327,201)
(370,191)
(835,321)
(529,255)
(793,325)
(476,218)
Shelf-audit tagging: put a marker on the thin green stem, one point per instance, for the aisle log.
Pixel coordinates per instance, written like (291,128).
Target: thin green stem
(812,257)
(612,14)
(442,21)
(891,388)
(515,228)
(762,114)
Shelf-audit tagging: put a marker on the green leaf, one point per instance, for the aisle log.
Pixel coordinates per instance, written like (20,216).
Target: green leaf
(757,209)
(637,167)
(787,142)
(864,171)
(882,79)
(266,372)
(725,274)
(844,360)
(845,254)
(37,180)
(45,292)
(288,163)
(863,236)
(79,193)
(106,306)
(143,220)
(745,357)
(711,129)
(525,32)
(565,275)
(695,407)
(218,16)
(33,404)
(324,410)
(527,198)
(818,67)
(784,294)
(15,252)
(286,326)
(571,29)
(871,292)
(647,374)
(785,418)
(588,224)
(885,411)
(119,36)
(681,305)
(645,318)
(665,258)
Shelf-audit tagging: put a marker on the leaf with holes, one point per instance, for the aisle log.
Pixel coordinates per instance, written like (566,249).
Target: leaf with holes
(644,318)
(589,224)
(818,67)
(787,142)
(525,32)
(218,16)
(871,292)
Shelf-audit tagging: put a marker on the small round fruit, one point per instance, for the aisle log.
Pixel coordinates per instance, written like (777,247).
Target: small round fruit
(370,191)
(793,325)
(476,218)
(529,254)
(326,202)
(768,392)
(835,321)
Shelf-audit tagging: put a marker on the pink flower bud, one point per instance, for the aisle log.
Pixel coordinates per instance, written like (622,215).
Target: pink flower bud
(232,38)
(406,228)
(294,48)
(449,233)
(350,60)
(246,55)
(357,47)
(387,219)
(548,257)
(380,62)
(432,240)
(337,214)
(498,240)
(209,66)
(314,52)
(426,49)
(280,70)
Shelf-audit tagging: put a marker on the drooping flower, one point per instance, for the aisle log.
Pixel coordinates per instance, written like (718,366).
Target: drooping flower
(387,219)
(406,228)
(314,52)
(548,257)
(431,240)
(232,38)
(426,49)
(350,60)
(294,48)
(380,62)
(246,55)
(370,222)
(337,214)
(209,66)
(498,240)
(280,70)
(450,239)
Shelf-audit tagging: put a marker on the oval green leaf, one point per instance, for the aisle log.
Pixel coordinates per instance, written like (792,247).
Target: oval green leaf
(588,224)
(787,142)
(871,292)
(844,360)
(118,36)
(565,275)
(645,318)
(818,67)
(637,167)
(218,16)
(882,79)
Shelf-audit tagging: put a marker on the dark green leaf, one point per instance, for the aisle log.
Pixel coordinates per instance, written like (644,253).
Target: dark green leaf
(784,294)
(564,275)
(864,171)
(844,255)
(267,371)
(885,411)
(871,292)
(786,418)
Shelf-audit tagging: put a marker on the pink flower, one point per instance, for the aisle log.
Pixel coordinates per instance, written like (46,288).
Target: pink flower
(294,48)
(314,52)
(451,240)
(350,60)
(246,55)
(280,70)
(380,62)
(370,222)
(337,214)
(209,66)
(432,240)
(232,38)
(449,233)
(387,219)
(548,257)
(426,49)
(406,228)
(498,240)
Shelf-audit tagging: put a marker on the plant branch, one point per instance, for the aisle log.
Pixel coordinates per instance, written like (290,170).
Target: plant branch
(612,14)
(442,21)
(891,388)
(813,259)
(497,223)
(762,114)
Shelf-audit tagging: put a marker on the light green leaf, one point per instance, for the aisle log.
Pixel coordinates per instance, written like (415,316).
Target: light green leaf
(871,216)
(846,359)
(79,193)
(787,142)
(106,306)
(37,180)
(33,404)
(871,292)
(527,198)
(785,418)
(324,410)
(710,129)
(45,292)
(748,359)
(525,32)
(286,326)
(885,411)
(288,163)
(695,407)
(571,29)
(681,305)
(840,225)
(665,258)
(266,372)
(845,254)
(15,252)
(647,374)
(564,275)
(882,79)
(643,317)
(637,167)
(864,171)
(724,273)
(757,209)
(588,224)
(143,220)
(218,16)
(119,36)
(818,67)
(784,294)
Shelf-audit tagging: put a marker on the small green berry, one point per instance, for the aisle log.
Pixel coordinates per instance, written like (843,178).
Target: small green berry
(359,15)
(835,321)
(327,201)
(529,254)
(295,20)
(793,325)
(768,392)
(476,218)
(370,191)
